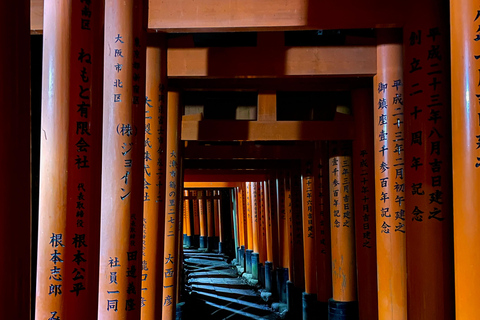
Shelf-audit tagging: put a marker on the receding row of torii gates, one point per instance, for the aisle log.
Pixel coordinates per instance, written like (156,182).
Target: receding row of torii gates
(111,180)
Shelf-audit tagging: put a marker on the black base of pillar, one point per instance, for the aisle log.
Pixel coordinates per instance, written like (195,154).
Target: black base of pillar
(261,275)
(268,276)
(179,310)
(341,310)
(220,249)
(282,277)
(248,262)
(255,266)
(203,242)
(210,244)
(242,257)
(187,241)
(196,241)
(294,301)
(309,306)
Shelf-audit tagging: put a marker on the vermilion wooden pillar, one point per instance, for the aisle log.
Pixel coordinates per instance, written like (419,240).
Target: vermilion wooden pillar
(428,162)
(287,226)
(248,196)
(218,205)
(283,244)
(154,179)
(272,193)
(322,225)
(308,217)
(364,206)
(261,214)
(123,161)
(390,177)
(216,197)
(255,217)
(69,208)
(297,228)
(240,228)
(15,188)
(210,219)
(342,227)
(172,206)
(196,219)
(464,21)
(202,219)
(268,222)
(188,223)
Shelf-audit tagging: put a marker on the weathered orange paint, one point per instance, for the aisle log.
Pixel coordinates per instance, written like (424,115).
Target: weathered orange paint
(364,206)
(154,204)
(322,222)
(248,195)
(308,217)
(466,175)
(241,225)
(342,222)
(269,240)
(172,214)
(389,177)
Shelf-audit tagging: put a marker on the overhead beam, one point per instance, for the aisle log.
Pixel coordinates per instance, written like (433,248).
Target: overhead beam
(265,15)
(211,130)
(250,151)
(280,61)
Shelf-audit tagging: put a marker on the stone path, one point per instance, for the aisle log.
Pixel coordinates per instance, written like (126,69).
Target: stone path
(215,291)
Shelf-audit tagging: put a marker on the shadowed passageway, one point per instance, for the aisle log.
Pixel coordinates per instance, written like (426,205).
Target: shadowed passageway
(215,291)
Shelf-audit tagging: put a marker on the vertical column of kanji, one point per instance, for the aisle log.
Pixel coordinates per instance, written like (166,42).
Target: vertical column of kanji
(255,216)
(218,205)
(202,219)
(465,59)
(288,227)
(428,170)
(389,177)
(273,226)
(261,205)
(282,271)
(122,165)
(210,219)
(154,179)
(308,217)
(297,228)
(15,188)
(70,162)
(188,219)
(172,197)
(322,225)
(196,219)
(364,188)
(248,198)
(241,229)
(342,231)
(268,222)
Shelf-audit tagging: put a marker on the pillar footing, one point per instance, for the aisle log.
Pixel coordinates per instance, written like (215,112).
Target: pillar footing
(220,249)
(248,262)
(268,276)
(203,242)
(342,310)
(255,266)
(309,306)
